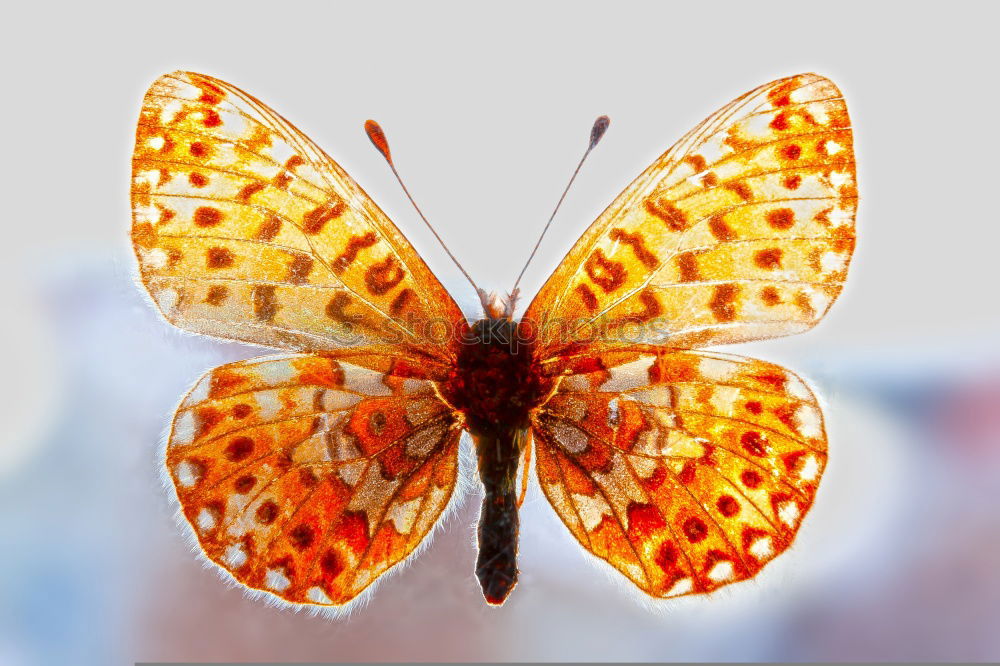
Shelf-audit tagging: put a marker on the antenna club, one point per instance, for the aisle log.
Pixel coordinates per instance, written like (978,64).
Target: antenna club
(598,130)
(377,136)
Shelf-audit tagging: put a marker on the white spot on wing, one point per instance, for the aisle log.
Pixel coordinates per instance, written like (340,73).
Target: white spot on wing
(788,512)
(721,571)
(761,548)
(683,586)
(318,596)
(235,556)
(591,510)
(183,434)
(276,580)
(404,514)
(187,474)
(206,520)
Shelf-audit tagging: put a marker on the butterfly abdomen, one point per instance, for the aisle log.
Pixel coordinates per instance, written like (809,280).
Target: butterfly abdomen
(495,385)
(496,565)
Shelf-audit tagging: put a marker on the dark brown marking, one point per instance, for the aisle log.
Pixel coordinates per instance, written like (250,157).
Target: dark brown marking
(298,269)
(331,565)
(792,151)
(294,162)
(728,506)
(216,294)
(687,267)
(218,257)
(265,305)
(607,274)
(781,218)
(241,410)
(266,512)
(780,122)
(335,308)
(638,245)
(205,216)
(239,449)
(754,407)
(792,182)
(282,180)
(651,308)
(709,180)
(697,162)
(672,216)
(753,443)
(751,479)
(314,220)
(269,228)
(742,190)
(402,299)
(211,119)
(249,190)
(354,245)
(302,537)
(666,557)
(722,231)
(687,473)
(376,423)
(383,276)
(723,303)
(770,296)
(197,180)
(244,484)
(695,529)
(587,296)
(769,259)
(198,149)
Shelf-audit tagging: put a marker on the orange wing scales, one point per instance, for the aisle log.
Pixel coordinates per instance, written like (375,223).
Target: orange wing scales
(244,229)
(308,477)
(683,470)
(743,230)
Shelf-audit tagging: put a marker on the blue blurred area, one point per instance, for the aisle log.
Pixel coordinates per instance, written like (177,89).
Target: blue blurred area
(898,560)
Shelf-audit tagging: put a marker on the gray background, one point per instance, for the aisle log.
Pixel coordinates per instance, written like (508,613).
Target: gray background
(487,109)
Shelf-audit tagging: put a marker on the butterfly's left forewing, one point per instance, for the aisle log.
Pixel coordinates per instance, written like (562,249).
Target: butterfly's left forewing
(308,477)
(684,470)
(245,229)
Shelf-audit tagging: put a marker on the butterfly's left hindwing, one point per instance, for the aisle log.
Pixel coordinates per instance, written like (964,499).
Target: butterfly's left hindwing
(684,470)
(308,477)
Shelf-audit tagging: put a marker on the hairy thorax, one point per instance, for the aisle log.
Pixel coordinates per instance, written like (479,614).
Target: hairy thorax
(495,383)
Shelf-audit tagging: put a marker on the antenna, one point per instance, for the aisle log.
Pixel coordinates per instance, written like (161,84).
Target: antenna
(596,132)
(377,136)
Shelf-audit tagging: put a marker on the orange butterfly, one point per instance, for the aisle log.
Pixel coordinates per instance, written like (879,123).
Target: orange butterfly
(309,474)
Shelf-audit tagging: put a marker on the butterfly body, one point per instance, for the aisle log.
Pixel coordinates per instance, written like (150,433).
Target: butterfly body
(496,384)
(308,474)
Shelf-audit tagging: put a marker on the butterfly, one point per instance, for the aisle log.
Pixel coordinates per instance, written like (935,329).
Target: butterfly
(309,474)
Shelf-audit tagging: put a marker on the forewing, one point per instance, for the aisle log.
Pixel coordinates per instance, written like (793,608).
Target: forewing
(684,470)
(308,477)
(742,230)
(244,229)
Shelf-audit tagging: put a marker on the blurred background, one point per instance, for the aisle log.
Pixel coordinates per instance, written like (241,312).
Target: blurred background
(487,111)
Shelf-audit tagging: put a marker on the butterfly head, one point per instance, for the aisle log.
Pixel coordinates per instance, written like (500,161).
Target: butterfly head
(496,306)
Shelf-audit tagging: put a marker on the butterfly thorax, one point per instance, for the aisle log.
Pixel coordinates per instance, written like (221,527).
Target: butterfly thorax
(496,384)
